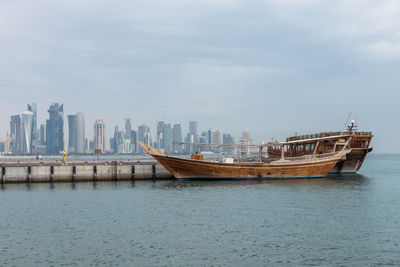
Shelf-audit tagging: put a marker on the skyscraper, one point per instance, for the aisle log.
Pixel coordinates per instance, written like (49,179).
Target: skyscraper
(227,139)
(128,128)
(17,134)
(191,137)
(160,135)
(245,140)
(42,134)
(71,133)
(177,137)
(117,140)
(55,129)
(80,133)
(214,137)
(134,135)
(193,128)
(33,108)
(27,122)
(76,140)
(167,136)
(99,135)
(144,136)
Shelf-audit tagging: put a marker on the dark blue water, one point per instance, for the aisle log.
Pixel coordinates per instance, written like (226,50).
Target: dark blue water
(338,221)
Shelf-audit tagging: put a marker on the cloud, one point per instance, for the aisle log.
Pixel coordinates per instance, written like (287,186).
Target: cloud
(251,61)
(383,50)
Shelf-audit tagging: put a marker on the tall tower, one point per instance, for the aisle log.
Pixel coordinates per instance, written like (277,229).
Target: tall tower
(33,108)
(214,137)
(128,128)
(55,129)
(71,133)
(144,136)
(99,136)
(160,135)
(27,122)
(80,133)
(193,129)
(17,134)
(76,133)
(177,137)
(167,134)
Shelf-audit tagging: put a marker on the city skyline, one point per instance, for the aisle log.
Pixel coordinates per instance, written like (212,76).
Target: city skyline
(26,138)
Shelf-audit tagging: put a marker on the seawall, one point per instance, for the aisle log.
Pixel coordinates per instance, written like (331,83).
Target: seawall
(57,171)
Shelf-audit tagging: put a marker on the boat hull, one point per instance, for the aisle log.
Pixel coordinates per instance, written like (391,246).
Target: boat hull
(352,163)
(197,169)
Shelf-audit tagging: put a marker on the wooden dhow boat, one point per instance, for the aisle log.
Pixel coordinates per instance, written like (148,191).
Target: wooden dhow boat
(360,147)
(316,165)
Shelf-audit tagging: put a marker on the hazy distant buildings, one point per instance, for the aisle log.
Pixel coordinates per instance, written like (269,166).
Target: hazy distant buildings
(55,129)
(99,135)
(76,133)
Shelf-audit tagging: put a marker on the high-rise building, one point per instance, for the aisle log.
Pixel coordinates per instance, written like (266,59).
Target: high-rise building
(134,135)
(128,128)
(76,140)
(55,129)
(71,133)
(42,134)
(167,136)
(214,137)
(245,140)
(80,133)
(35,135)
(177,137)
(91,145)
(227,139)
(144,136)
(99,135)
(117,140)
(17,134)
(2,146)
(27,123)
(191,137)
(112,144)
(193,129)
(160,135)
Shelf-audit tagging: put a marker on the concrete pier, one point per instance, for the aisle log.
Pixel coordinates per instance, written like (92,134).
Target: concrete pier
(75,171)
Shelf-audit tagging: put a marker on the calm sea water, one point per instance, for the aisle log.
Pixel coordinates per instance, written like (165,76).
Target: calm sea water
(338,221)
